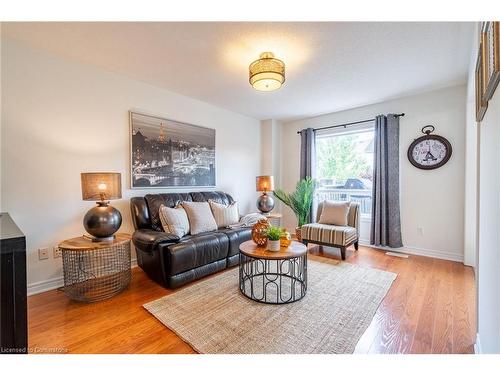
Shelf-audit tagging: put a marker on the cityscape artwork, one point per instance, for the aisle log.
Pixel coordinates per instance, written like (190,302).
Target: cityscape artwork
(168,153)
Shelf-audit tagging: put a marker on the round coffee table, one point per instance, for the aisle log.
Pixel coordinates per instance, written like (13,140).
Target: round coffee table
(273,277)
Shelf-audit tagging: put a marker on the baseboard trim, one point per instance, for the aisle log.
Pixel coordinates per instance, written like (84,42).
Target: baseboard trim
(419,251)
(477,345)
(45,285)
(51,284)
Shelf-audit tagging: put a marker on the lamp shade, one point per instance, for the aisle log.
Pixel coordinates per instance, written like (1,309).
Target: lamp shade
(101,186)
(264,183)
(267,73)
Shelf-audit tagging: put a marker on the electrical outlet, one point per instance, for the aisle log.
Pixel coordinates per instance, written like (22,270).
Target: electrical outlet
(43,253)
(56,252)
(420,231)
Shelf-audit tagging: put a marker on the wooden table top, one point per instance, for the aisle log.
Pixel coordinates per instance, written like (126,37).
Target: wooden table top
(251,249)
(84,243)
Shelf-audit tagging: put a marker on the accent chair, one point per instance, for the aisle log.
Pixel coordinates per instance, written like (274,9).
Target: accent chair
(334,235)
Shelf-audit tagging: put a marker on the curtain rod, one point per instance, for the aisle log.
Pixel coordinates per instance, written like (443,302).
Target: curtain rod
(349,123)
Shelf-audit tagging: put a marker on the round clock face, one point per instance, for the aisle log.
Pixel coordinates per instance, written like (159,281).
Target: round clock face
(429,152)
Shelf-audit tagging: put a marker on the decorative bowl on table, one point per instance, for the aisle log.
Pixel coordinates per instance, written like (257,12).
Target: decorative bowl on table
(259,232)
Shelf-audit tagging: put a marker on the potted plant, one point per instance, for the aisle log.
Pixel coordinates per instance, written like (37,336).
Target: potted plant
(274,237)
(300,201)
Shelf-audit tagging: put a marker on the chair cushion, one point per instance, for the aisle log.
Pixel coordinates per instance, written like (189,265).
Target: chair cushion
(174,220)
(224,215)
(200,217)
(334,213)
(329,234)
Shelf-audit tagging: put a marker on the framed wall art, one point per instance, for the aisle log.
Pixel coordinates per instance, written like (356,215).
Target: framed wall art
(480,83)
(170,154)
(491,45)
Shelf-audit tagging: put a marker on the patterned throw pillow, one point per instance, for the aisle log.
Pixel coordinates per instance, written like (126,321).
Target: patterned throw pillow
(200,217)
(334,213)
(224,215)
(174,220)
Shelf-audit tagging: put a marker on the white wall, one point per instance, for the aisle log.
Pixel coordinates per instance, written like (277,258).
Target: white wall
(432,200)
(271,148)
(61,118)
(489,229)
(471,180)
(488,210)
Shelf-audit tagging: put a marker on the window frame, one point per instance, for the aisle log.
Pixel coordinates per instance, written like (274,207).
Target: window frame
(351,129)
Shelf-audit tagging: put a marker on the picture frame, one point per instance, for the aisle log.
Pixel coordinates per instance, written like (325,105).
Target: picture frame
(480,83)
(166,153)
(490,38)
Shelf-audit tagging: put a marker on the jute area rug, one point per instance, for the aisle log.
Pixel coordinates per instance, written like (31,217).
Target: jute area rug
(214,317)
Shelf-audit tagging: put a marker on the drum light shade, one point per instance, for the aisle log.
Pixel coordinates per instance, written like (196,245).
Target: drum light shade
(101,186)
(264,183)
(267,73)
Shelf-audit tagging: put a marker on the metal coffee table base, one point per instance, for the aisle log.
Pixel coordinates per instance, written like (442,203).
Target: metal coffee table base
(273,281)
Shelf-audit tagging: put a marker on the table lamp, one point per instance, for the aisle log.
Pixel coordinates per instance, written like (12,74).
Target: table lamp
(102,221)
(265,203)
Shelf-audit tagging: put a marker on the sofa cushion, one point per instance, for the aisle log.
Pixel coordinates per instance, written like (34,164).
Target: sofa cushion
(217,196)
(224,214)
(200,217)
(236,237)
(329,234)
(147,239)
(174,220)
(334,213)
(196,251)
(154,201)
(180,279)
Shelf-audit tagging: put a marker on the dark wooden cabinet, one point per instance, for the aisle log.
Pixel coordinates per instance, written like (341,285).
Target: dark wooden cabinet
(13,298)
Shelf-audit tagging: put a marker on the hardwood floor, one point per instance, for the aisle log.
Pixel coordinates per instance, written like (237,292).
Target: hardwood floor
(430,308)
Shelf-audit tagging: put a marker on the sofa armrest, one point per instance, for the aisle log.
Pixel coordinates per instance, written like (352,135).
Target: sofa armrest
(148,239)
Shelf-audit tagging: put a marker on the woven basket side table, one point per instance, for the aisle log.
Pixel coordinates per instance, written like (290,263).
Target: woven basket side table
(95,271)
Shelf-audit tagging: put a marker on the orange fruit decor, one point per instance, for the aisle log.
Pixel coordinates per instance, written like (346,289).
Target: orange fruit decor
(259,232)
(286,239)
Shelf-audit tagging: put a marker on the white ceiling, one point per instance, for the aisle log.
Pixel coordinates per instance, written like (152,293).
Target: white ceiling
(329,66)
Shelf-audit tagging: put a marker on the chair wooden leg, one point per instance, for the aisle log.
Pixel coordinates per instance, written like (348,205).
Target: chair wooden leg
(342,252)
(356,245)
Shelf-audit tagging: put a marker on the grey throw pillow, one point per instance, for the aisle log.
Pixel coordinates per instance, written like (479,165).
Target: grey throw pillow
(174,220)
(200,217)
(334,213)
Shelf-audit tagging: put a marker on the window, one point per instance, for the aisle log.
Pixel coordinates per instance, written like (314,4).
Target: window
(344,165)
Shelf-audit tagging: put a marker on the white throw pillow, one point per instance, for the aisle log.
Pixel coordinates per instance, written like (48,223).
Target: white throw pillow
(334,213)
(200,217)
(174,220)
(224,215)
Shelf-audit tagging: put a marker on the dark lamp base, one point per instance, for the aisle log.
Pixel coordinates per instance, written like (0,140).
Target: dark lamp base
(265,203)
(102,221)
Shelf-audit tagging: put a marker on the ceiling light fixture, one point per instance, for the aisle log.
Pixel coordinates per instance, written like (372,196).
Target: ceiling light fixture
(267,73)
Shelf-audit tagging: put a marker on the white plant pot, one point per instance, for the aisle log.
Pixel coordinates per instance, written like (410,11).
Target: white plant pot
(273,245)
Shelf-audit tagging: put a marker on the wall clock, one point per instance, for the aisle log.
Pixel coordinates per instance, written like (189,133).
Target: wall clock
(430,151)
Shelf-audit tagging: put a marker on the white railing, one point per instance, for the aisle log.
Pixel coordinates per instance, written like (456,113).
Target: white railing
(362,196)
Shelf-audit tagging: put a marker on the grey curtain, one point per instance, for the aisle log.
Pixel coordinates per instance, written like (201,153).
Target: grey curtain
(307,153)
(308,160)
(386,222)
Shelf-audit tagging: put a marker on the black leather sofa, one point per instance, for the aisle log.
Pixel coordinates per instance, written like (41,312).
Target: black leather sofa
(172,261)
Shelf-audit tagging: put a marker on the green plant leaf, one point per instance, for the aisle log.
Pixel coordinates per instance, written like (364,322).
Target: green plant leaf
(300,200)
